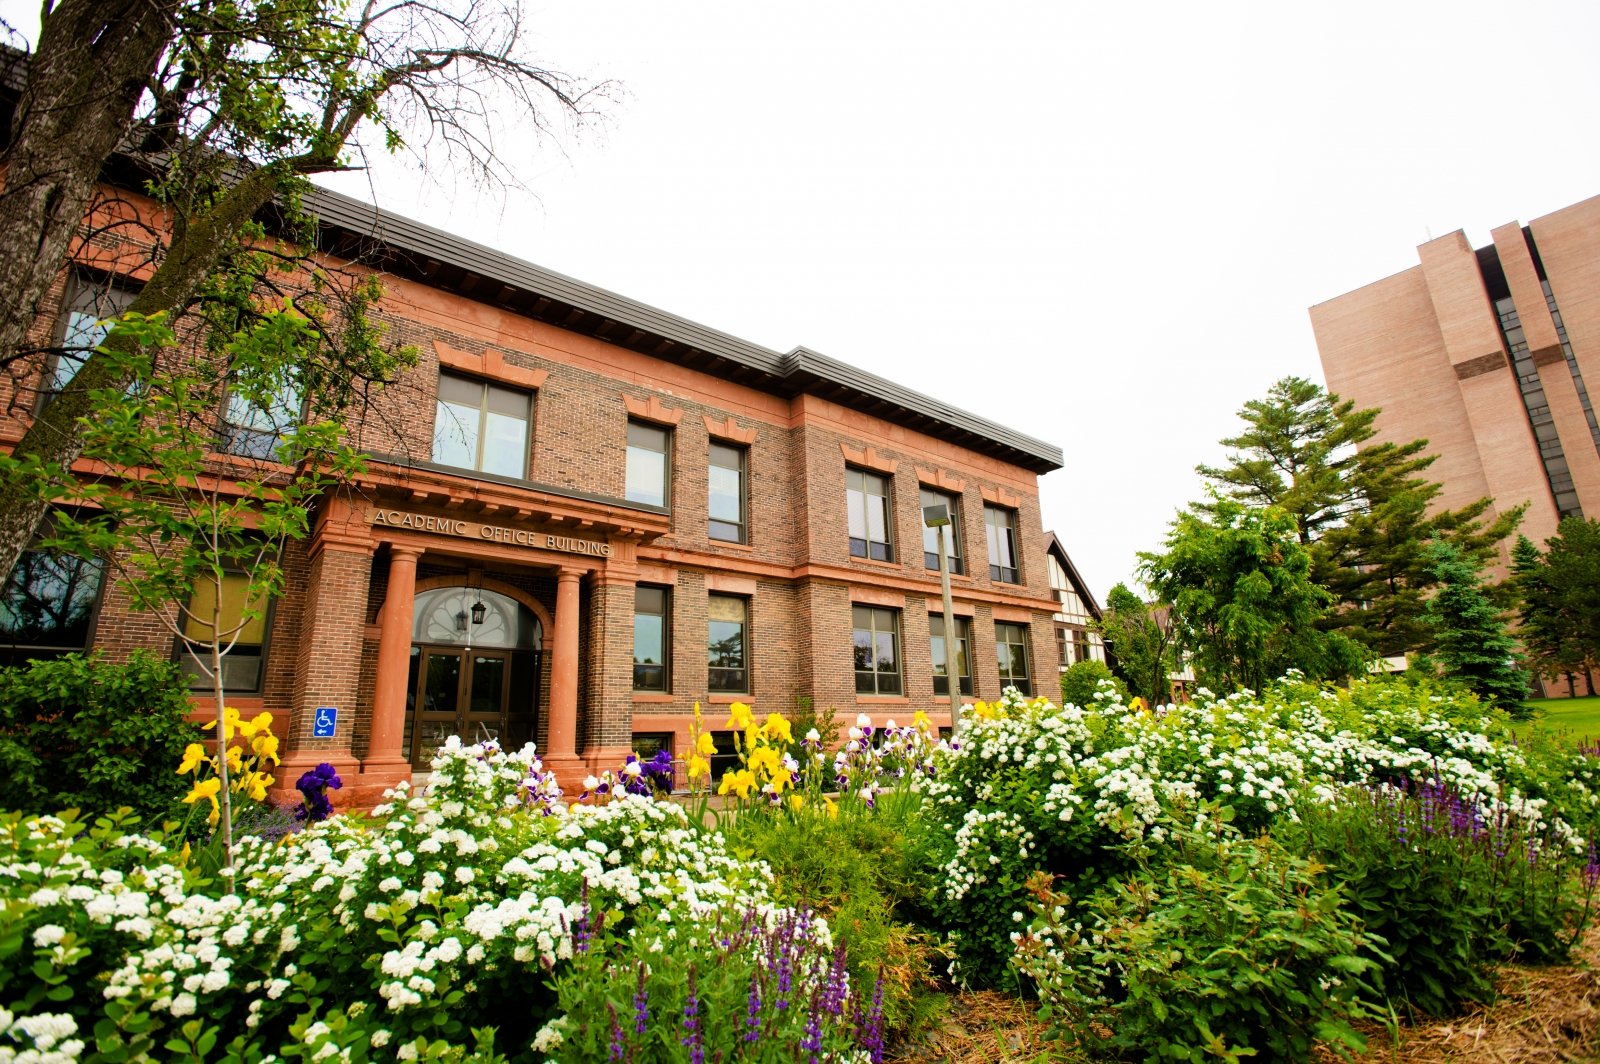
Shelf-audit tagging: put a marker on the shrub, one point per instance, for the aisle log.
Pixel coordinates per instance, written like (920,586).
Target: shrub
(1453,890)
(1228,947)
(84,733)
(1081,682)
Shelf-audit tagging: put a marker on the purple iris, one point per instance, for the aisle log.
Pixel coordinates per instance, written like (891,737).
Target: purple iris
(314,786)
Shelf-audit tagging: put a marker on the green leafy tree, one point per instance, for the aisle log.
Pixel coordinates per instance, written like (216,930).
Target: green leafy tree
(219,112)
(1560,591)
(197,539)
(1470,632)
(1364,509)
(1144,644)
(1238,579)
(1082,680)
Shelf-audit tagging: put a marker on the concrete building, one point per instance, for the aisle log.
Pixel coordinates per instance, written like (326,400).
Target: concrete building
(1485,353)
(582,516)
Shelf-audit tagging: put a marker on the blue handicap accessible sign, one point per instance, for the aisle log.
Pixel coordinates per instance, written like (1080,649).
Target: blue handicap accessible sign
(323,724)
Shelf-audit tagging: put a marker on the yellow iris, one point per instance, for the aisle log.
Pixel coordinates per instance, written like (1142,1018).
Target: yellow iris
(194,755)
(1138,704)
(699,767)
(920,721)
(739,718)
(208,790)
(777,728)
(764,761)
(740,781)
(258,784)
(235,759)
(266,747)
(705,745)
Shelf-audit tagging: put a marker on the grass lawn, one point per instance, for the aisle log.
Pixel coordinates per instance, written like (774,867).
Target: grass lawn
(1577,717)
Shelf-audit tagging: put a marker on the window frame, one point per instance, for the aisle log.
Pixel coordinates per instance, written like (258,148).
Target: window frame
(235,431)
(1024,683)
(998,573)
(873,615)
(84,295)
(202,684)
(15,653)
(665,665)
(481,444)
(742,526)
(730,684)
(629,447)
(852,493)
(930,558)
(963,655)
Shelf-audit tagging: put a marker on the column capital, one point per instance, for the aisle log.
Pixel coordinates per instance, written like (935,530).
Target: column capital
(405,550)
(567,573)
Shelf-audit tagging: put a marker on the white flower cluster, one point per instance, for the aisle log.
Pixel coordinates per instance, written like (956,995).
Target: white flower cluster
(44,1038)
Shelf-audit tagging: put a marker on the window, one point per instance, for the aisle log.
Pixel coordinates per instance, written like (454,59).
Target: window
(877,650)
(1011,650)
(47,606)
(1001,528)
(867,499)
(652,639)
(649,744)
(649,462)
(241,666)
(952,534)
(941,674)
(1080,645)
(1062,654)
(725,493)
(254,431)
(481,426)
(726,653)
(89,306)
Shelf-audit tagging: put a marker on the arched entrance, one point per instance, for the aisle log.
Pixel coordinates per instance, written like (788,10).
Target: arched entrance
(474,670)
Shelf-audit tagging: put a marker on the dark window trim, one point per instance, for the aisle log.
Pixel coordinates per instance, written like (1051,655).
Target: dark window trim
(669,432)
(867,546)
(1003,574)
(1024,683)
(666,640)
(873,630)
(741,674)
(181,655)
(743,527)
(941,684)
(483,411)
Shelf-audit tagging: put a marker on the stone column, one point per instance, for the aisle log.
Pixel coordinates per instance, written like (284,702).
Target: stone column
(560,754)
(386,762)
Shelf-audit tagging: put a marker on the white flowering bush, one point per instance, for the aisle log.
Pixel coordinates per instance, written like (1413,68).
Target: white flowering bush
(437,930)
(1065,790)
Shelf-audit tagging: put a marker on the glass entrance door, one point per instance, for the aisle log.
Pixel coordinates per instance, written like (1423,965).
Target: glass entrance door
(459,692)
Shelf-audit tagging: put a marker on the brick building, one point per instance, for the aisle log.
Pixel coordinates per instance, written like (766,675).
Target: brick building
(1485,353)
(1077,612)
(583,515)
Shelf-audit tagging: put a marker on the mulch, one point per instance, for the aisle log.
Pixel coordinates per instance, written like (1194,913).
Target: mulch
(1544,1015)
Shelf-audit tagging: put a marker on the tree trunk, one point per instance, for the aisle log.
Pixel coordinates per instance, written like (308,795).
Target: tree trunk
(55,439)
(83,84)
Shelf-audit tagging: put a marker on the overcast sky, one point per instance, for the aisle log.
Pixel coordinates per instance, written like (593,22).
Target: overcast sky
(1098,223)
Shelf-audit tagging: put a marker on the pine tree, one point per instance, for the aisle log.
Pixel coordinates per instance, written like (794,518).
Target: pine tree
(1362,508)
(1473,645)
(1560,592)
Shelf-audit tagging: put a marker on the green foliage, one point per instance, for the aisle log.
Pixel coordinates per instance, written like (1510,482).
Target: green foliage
(1223,948)
(1451,888)
(1082,680)
(1245,606)
(1364,509)
(867,873)
(84,733)
(1560,590)
(1142,640)
(1473,645)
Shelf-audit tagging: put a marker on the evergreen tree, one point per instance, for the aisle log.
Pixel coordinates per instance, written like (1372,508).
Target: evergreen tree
(1560,592)
(1470,632)
(1361,508)
(1142,641)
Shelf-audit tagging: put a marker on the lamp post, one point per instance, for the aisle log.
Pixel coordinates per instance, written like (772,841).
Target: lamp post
(937,517)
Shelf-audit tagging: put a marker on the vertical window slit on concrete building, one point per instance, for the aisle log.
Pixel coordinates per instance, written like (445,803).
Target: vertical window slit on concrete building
(1572,364)
(1537,405)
